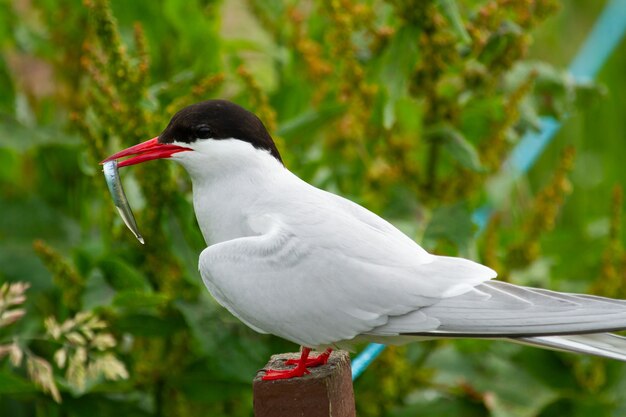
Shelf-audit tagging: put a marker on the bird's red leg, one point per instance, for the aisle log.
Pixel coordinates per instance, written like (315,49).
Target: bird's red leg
(318,360)
(299,370)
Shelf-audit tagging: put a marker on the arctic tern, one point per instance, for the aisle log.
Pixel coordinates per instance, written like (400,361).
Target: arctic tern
(314,268)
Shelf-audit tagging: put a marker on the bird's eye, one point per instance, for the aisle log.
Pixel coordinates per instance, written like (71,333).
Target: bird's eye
(204,132)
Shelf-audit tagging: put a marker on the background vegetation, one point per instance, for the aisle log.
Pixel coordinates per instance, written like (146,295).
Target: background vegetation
(406,106)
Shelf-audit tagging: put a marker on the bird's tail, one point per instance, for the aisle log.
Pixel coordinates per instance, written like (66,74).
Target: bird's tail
(559,321)
(606,345)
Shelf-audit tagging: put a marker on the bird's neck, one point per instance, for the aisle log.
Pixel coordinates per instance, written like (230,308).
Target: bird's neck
(228,191)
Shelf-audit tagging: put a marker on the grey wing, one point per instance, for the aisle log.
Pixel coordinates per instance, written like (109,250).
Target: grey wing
(316,290)
(606,345)
(498,309)
(566,322)
(282,289)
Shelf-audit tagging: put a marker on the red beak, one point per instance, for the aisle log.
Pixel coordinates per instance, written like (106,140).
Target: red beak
(146,151)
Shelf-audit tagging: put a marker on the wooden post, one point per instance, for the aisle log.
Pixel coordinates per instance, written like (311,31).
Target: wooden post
(325,392)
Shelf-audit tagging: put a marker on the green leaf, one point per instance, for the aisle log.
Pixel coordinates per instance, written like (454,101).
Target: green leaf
(434,403)
(480,114)
(200,383)
(201,32)
(185,236)
(234,351)
(16,135)
(457,146)
(548,367)
(7,22)
(19,262)
(310,120)
(97,291)
(499,42)
(409,115)
(150,325)
(203,320)
(450,9)
(9,165)
(395,68)
(137,300)
(13,384)
(490,367)
(121,276)
(583,404)
(463,152)
(7,98)
(99,405)
(453,224)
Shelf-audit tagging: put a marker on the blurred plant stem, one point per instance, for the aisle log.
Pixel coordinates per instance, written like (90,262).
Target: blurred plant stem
(65,276)
(613,276)
(543,214)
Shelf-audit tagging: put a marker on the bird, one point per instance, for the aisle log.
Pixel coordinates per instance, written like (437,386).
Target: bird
(319,270)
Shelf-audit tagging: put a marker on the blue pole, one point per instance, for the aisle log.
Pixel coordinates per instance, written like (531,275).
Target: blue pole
(604,37)
(365,358)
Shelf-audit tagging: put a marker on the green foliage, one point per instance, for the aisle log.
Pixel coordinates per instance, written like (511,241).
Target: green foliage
(83,350)
(406,106)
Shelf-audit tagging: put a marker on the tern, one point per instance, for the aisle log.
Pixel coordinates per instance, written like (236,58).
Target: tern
(319,270)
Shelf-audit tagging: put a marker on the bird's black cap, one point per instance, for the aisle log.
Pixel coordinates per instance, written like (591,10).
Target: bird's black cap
(218,119)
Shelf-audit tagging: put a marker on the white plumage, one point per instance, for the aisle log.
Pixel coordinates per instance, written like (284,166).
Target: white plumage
(311,267)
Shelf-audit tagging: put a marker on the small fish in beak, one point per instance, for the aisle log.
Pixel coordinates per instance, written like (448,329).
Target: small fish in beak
(112,176)
(142,152)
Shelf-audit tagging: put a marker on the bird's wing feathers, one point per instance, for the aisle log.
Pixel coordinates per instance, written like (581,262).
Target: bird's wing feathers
(260,279)
(353,275)
(606,345)
(498,309)
(348,275)
(566,322)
